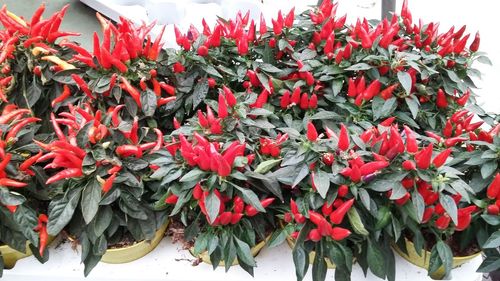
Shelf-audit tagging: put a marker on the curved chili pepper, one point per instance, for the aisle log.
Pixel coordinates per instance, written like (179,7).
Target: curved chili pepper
(30,161)
(312,134)
(132,91)
(168,88)
(443,222)
(441,100)
(134,137)
(440,159)
(222,107)
(372,167)
(163,101)
(65,174)
(83,85)
(19,126)
(64,95)
(453,141)
(159,140)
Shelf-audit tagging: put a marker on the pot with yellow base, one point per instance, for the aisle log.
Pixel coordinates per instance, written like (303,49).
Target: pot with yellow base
(134,251)
(255,250)
(423,261)
(11,256)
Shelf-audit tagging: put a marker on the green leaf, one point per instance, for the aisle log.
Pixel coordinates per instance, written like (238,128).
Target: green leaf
(102,220)
(319,267)
(243,252)
(192,175)
(489,264)
(10,198)
(413,105)
(61,210)
(488,168)
(446,255)
(376,260)
(449,206)
(266,166)
(148,101)
(405,80)
(356,222)
(209,69)
(91,196)
(322,115)
(301,261)
(200,92)
(419,203)
(493,241)
(359,66)
(269,68)
(212,204)
(33,93)
(250,198)
(484,60)
(322,182)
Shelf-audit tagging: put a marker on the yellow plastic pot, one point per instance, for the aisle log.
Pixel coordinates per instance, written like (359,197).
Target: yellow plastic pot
(11,256)
(312,254)
(135,251)
(423,261)
(205,257)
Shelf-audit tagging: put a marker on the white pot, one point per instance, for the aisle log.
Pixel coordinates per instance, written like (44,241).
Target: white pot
(166,11)
(231,7)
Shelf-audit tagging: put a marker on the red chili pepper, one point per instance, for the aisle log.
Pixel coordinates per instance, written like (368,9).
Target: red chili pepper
(114,170)
(493,190)
(222,111)
(285,100)
(198,192)
(7,117)
(65,174)
(443,222)
(428,212)
(12,183)
(409,165)
(441,100)
(178,68)
(437,137)
(453,141)
(448,129)
(64,95)
(372,167)
(83,85)
(440,159)
(328,158)
(423,157)
(474,46)
(351,89)
(225,218)
(30,161)
(250,211)
(134,137)
(41,228)
(338,215)
(127,150)
(132,91)
(343,143)
(163,101)
(312,134)
(314,235)
(372,90)
(293,207)
(168,88)
(19,126)
(463,99)
(5,161)
(108,183)
(172,199)
(493,210)
(339,233)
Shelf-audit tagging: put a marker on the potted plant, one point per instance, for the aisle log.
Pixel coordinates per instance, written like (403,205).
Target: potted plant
(205,175)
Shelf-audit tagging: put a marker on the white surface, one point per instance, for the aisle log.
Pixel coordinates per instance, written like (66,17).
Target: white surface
(169,262)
